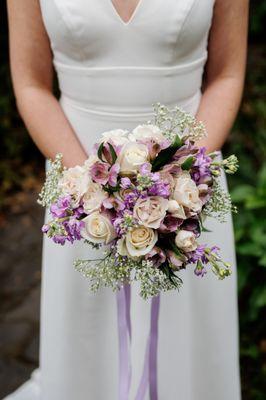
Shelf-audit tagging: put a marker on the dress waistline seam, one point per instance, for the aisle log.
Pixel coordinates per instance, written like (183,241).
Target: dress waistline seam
(178,68)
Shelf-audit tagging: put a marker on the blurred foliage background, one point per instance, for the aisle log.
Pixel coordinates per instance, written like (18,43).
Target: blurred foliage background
(21,171)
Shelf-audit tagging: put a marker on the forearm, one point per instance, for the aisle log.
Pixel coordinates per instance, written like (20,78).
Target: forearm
(218,109)
(48,125)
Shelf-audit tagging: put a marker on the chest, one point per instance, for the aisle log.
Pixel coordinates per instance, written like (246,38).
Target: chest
(144,32)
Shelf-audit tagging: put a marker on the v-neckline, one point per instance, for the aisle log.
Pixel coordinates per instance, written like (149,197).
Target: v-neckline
(133,15)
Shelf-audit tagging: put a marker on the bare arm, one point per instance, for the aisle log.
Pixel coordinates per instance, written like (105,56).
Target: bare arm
(225,71)
(32,75)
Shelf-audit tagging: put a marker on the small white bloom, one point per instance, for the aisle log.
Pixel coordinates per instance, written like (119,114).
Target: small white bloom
(186,240)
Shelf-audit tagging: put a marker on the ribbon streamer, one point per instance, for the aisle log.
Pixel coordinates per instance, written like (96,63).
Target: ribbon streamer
(149,374)
(124,336)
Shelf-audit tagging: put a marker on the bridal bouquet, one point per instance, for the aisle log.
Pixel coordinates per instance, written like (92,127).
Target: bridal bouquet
(143,196)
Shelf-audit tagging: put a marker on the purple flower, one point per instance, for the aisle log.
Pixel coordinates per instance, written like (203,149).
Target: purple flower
(125,183)
(200,270)
(73,227)
(160,188)
(201,167)
(45,228)
(59,239)
(61,207)
(198,254)
(145,169)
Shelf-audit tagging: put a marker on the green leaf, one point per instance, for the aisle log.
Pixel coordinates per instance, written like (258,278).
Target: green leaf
(166,155)
(113,153)
(187,164)
(100,152)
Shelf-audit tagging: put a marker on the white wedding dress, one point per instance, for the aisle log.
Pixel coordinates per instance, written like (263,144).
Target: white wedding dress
(110,72)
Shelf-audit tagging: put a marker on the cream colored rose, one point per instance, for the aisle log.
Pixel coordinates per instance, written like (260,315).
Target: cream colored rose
(186,240)
(98,228)
(140,240)
(94,197)
(74,182)
(186,192)
(131,157)
(117,136)
(176,209)
(150,211)
(147,131)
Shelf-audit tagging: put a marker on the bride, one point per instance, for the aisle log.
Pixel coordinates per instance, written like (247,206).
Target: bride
(113,59)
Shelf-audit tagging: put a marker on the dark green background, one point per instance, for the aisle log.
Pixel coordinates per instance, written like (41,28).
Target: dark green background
(20,160)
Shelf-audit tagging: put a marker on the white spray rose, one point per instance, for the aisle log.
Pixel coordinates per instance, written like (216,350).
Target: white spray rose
(186,192)
(186,240)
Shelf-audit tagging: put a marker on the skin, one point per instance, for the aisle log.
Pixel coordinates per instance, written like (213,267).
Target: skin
(32,75)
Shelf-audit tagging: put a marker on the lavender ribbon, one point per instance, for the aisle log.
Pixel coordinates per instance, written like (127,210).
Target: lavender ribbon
(149,374)
(124,337)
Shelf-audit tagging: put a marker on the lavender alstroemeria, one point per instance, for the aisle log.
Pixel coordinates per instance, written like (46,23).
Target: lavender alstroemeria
(113,174)
(59,239)
(100,172)
(170,224)
(156,256)
(61,207)
(192,224)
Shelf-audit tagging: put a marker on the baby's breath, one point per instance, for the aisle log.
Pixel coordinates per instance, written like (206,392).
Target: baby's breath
(177,121)
(220,203)
(50,191)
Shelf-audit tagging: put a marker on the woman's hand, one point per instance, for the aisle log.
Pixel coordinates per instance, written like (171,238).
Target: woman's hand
(225,71)
(32,75)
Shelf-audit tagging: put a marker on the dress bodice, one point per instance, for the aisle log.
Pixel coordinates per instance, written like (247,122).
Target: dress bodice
(160,51)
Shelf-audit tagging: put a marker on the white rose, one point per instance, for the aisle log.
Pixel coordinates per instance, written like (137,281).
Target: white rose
(186,240)
(186,192)
(74,182)
(131,157)
(147,131)
(94,197)
(176,209)
(140,240)
(117,136)
(98,228)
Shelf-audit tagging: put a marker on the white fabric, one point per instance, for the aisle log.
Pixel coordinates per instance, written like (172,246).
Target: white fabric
(110,73)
